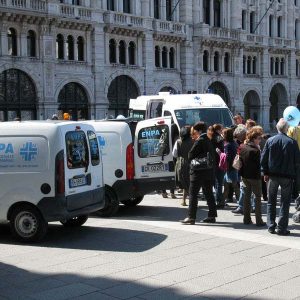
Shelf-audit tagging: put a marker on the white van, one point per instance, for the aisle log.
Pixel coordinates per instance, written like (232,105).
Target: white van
(185,109)
(49,171)
(137,160)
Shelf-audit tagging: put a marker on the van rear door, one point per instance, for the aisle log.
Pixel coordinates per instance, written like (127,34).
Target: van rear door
(80,174)
(153,154)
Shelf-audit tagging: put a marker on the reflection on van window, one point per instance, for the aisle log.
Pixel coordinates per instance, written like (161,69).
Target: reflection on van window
(137,115)
(208,115)
(77,150)
(153,141)
(94,148)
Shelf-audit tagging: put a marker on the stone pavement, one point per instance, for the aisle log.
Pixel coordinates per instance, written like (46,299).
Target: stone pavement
(145,253)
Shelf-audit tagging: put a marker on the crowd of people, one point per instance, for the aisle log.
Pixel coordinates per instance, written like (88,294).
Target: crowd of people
(240,160)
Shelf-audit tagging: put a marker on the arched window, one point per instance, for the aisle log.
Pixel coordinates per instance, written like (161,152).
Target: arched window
(296,30)
(279,26)
(112,51)
(156,9)
(110,4)
(126,6)
(216,61)
(206,11)
(80,48)
(59,46)
(226,62)
(244,13)
(172,58)
(272,66)
(244,64)
(122,53)
(217,13)
(70,48)
(254,61)
(131,53)
(75,2)
(205,60)
(277,66)
(270,25)
(252,22)
(249,65)
(12,42)
(31,43)
(282,66)
(169,8)
(164,57)
(157,57)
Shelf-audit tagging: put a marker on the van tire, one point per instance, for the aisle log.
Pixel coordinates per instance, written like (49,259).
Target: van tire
(134,201)
(111,204)
(75,222)
(27,224)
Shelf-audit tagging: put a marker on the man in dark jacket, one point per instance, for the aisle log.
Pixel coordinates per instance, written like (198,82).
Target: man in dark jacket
(201,178)
(280,160)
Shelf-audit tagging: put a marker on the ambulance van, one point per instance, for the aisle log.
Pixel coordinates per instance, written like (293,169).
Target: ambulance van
(49,171)
(185,109)
(137,160)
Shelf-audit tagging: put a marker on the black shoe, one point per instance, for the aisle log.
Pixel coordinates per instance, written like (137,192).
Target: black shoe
(248,222)
(238,210)
(253,210)
(261,224)
(283,232)
(271,230)
(209,220)
(220,206)
(188,221)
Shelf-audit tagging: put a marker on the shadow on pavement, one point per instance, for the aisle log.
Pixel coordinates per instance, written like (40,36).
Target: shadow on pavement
(22,284)
(92,238)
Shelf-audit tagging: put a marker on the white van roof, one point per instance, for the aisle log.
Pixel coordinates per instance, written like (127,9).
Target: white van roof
(179,101)
(35,127)
(105,125)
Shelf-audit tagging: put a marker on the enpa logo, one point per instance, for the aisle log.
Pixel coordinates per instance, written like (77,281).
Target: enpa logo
(29,151)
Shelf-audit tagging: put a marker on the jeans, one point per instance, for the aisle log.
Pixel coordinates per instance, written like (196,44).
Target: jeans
(219,185)
(252,186)
(242,196)
(207,187)
(286,185)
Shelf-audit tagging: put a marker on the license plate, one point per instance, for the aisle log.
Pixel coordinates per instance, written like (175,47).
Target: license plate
(79,181)
(155,168)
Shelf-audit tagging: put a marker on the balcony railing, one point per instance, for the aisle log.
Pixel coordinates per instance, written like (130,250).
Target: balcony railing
(224,33)
(123,19)
(31,5)
(71,11)
(168,26)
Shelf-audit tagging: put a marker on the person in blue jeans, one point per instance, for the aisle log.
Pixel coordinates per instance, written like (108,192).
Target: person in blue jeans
(279,161)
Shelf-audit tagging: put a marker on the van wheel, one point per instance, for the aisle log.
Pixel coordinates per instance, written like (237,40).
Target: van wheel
(75,222)
(27,224)
(111,205)
(134,201)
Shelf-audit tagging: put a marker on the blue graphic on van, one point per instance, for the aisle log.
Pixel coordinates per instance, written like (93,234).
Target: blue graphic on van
(29,151)
(6,152)
(101,141)
(150,133)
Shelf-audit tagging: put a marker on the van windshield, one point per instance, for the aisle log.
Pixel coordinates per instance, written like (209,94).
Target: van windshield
(208,115)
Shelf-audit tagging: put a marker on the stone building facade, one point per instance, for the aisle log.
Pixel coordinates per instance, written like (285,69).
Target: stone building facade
(89,57)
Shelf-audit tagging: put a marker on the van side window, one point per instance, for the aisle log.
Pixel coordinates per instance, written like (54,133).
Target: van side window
(94,148)
(77,150)
(153,141)
(156,109)
(167,113)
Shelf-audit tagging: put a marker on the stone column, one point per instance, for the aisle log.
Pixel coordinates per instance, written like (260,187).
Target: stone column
(163,9)
(23,39)
(200,12)
(148,48)
(4,44)
(212,15)
(99,102)
(145,8)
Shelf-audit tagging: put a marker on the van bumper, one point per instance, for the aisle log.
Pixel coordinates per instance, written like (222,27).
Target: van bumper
(126,189)
(57,208)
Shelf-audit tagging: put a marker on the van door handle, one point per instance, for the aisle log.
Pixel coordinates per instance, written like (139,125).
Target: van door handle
(154,163)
